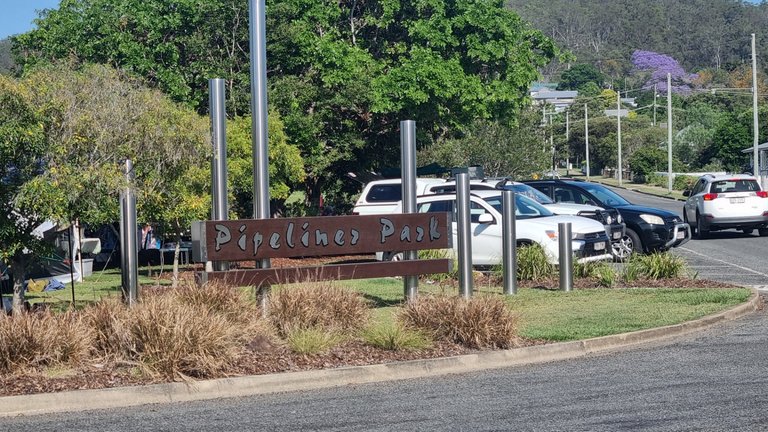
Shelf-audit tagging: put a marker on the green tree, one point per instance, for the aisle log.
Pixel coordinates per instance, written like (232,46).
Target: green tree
(22,148)
(342,75)
(518,151)
(731,137)
(286,167)
(580,75)
(97,118)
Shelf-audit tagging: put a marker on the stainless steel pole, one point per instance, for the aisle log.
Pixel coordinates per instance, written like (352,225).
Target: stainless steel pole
(566,255)
(129,249)
(509,241)
(464,235)
(258,48)
(408,180)
(218,113)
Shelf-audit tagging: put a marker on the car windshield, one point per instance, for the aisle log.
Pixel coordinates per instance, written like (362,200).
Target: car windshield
(525,208)
(606,196)
(735,185)
(530,192)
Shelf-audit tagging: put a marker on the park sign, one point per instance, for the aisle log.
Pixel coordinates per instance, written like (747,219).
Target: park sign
(262,239)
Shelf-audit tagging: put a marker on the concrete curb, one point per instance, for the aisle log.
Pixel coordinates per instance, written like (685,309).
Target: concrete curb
(81,400)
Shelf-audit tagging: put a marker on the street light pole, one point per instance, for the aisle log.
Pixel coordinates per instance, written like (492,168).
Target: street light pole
(756,139)
(586,135)
(669,132)
(618,130)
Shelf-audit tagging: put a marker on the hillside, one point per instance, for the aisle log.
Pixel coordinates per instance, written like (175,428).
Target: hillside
(700,34)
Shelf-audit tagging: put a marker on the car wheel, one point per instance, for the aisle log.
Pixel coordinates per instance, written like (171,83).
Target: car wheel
(701,232)
(628,245)
(748,230)
(763,232)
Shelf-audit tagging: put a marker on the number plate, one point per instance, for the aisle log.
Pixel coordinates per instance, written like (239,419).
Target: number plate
(617,235)
(737,200)
(599,245)
(681,234)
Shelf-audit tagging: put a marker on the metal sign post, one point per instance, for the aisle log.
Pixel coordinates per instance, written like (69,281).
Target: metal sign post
(218,113)
(408,177)
(566,256)
(509,241)
(128,240)
(464,235)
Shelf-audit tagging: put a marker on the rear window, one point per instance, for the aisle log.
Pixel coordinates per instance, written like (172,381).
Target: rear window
(735,185)
(385,193)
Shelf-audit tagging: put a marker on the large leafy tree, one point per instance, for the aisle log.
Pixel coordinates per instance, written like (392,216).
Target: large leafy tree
(580,75)
(95,118)
(22,147)
(502,150)
(342,74)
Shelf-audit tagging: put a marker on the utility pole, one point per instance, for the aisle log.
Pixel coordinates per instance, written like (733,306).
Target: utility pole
(552,140)
(669,132)
(567,144)
(586,135)
(654,105)
(618,130)
(755,153)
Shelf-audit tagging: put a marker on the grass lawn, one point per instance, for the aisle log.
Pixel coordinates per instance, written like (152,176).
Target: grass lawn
(544,314)
(580,314)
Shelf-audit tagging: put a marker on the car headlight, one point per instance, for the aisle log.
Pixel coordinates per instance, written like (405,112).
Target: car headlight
(552,234)
(619,219)
(652,219)
(609,219)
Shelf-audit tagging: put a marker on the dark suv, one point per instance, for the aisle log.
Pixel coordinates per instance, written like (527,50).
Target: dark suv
(648,229)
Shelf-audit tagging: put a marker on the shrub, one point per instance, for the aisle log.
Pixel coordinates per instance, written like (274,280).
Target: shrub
(174,339)
(43,339)
(109,320)
(440,254)
(602,272)
(395,337)
(231,302)
(312,340)
(480,322)
(532,263)
(683,182)
(320,305)
(658,265)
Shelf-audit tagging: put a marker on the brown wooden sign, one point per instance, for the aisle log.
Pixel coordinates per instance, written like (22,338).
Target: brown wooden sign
(255,239)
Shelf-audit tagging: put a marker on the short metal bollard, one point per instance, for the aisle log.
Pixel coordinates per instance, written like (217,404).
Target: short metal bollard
(566,256)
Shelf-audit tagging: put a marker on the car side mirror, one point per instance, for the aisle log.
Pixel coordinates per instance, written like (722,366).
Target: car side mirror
(686,193)
(485,218)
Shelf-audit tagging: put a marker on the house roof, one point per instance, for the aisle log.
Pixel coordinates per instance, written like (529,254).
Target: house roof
(750,149)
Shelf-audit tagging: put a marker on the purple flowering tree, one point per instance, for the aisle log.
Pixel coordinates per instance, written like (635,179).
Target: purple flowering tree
(655,67)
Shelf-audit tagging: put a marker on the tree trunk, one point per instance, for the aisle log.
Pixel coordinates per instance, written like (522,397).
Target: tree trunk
(19,269)
(176,253)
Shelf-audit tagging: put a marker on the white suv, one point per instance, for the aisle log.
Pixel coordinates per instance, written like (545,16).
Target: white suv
(534,224)
(719,202)
(382,196)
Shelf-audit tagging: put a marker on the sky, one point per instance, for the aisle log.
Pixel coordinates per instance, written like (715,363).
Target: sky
(16,15)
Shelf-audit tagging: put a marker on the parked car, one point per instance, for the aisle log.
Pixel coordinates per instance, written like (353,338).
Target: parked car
(382,196)
(648,229)
(610,218)
(535,224)
(719,202)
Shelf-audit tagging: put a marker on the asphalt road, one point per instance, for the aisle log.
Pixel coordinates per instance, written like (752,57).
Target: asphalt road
(728,256)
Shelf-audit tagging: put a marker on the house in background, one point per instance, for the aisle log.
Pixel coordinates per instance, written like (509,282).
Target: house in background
(544,93)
